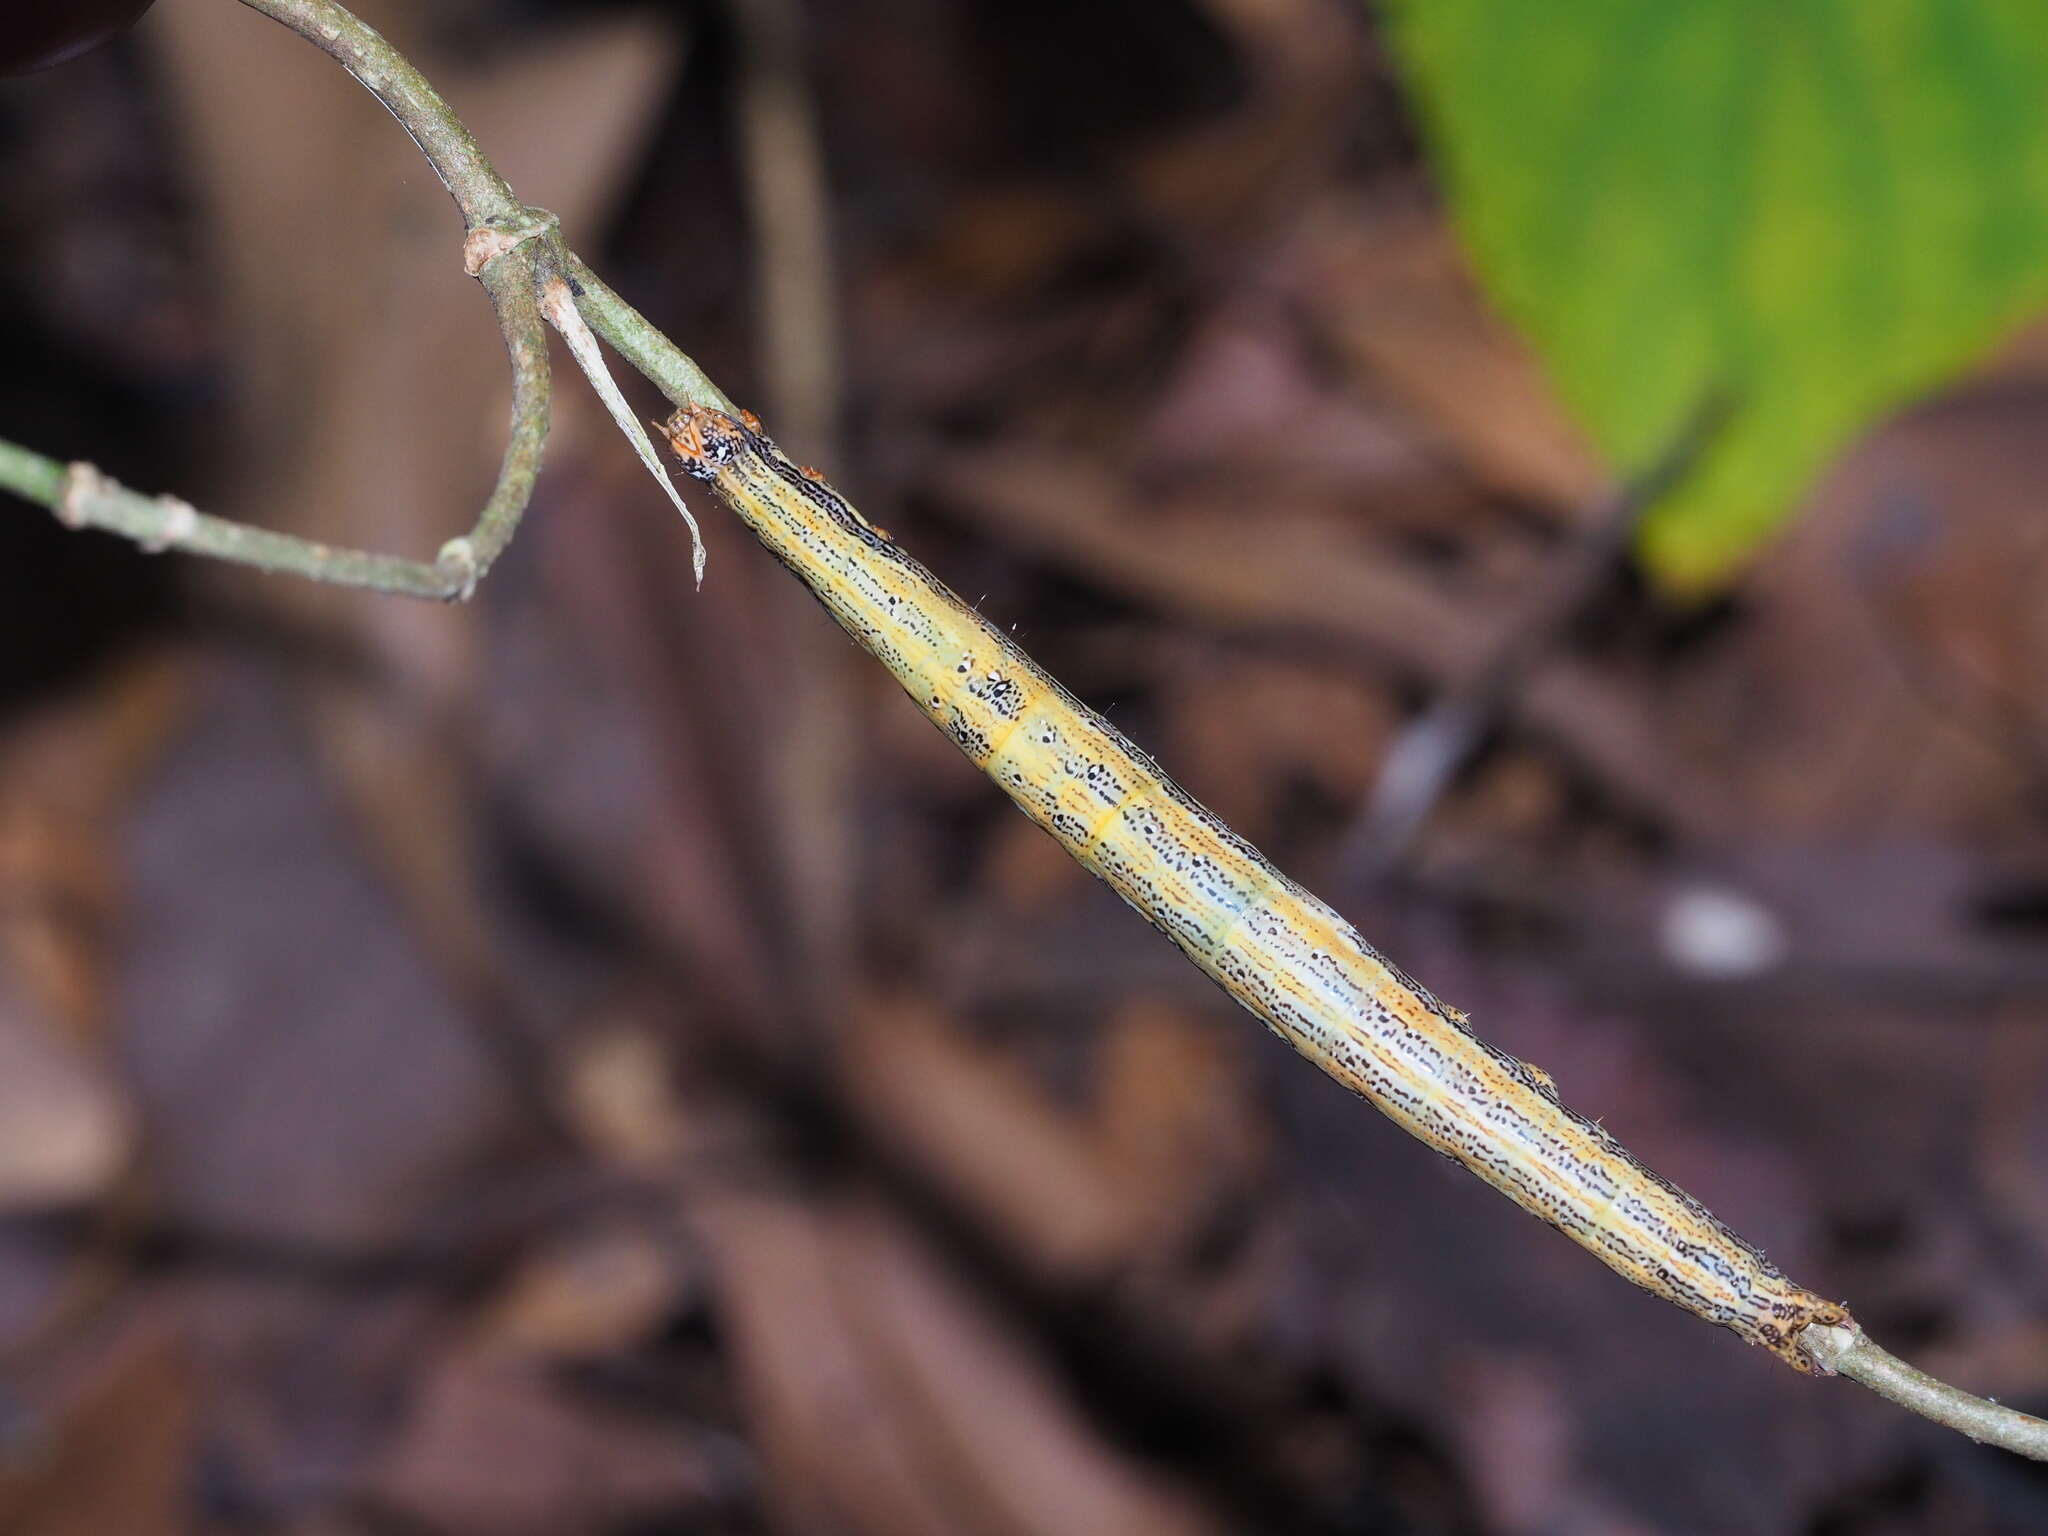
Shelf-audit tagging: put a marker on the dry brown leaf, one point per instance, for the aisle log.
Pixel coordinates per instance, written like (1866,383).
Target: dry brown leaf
(837,1457)
(1304,58)
(66,1125)
(887,1400)
(589,1291)
(1027,872)
(1176,1122)
(66,1131)
(619,1095)
(302,1067)
(1886,677)
(111,1453)
(984,1132)
(1000,1421)
(66,772)
(1247,405)
(492,1449)
(1392,289)
(1007,242)
(1249,729)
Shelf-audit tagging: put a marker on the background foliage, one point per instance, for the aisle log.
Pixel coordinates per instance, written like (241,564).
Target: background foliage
(1827,207)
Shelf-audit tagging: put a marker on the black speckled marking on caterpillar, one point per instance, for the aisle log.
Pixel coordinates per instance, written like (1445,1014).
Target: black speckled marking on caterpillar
(1279,951)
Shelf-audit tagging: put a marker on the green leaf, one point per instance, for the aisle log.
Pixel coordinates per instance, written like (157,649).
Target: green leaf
(1824,207)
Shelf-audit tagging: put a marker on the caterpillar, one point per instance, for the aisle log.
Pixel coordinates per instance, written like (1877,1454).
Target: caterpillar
(1283,954)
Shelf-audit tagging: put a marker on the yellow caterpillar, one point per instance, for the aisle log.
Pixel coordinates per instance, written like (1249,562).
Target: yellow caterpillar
(1279,951)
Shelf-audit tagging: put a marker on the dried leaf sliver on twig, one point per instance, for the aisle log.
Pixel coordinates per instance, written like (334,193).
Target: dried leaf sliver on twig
(1282,953)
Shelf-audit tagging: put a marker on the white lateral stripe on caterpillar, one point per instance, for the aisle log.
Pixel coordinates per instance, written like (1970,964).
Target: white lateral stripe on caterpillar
(1282,953)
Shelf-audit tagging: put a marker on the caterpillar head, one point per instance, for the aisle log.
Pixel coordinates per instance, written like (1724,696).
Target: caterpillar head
(704,439)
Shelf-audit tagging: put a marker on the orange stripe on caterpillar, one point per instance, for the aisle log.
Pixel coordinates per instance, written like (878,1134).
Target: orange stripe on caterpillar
(1283,954)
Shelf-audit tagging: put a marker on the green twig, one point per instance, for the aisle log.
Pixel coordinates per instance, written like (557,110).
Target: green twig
(1849,1352)
(82,497)
(479,191)
(30,475)
(634,337)
(511,248)
(511,277)
(503,251)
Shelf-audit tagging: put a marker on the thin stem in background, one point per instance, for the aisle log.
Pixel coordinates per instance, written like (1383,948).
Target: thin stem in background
(795,313)
(1433,749)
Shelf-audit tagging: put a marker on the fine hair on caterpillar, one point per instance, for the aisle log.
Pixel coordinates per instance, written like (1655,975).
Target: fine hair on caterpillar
(1278,950)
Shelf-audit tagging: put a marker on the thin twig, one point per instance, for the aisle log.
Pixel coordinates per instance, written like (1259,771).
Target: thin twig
(636,338)
(82,497)
(1849,1352)
(794,308)
(502,249)
(30,476)
(479,191)
(1431,751)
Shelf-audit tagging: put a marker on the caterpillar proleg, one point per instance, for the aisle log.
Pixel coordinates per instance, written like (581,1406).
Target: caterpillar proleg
(1283,954)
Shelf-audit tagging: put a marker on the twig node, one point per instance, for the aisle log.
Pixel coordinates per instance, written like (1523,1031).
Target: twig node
(457,561)
(83,484)
(487,242)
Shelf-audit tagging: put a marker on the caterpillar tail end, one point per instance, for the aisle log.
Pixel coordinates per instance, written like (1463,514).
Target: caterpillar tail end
(1787,1341)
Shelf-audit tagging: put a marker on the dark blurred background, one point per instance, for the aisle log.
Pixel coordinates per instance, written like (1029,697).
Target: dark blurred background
(595,1061)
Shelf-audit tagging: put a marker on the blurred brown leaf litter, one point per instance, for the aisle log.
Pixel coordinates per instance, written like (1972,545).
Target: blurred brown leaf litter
(593,1061)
